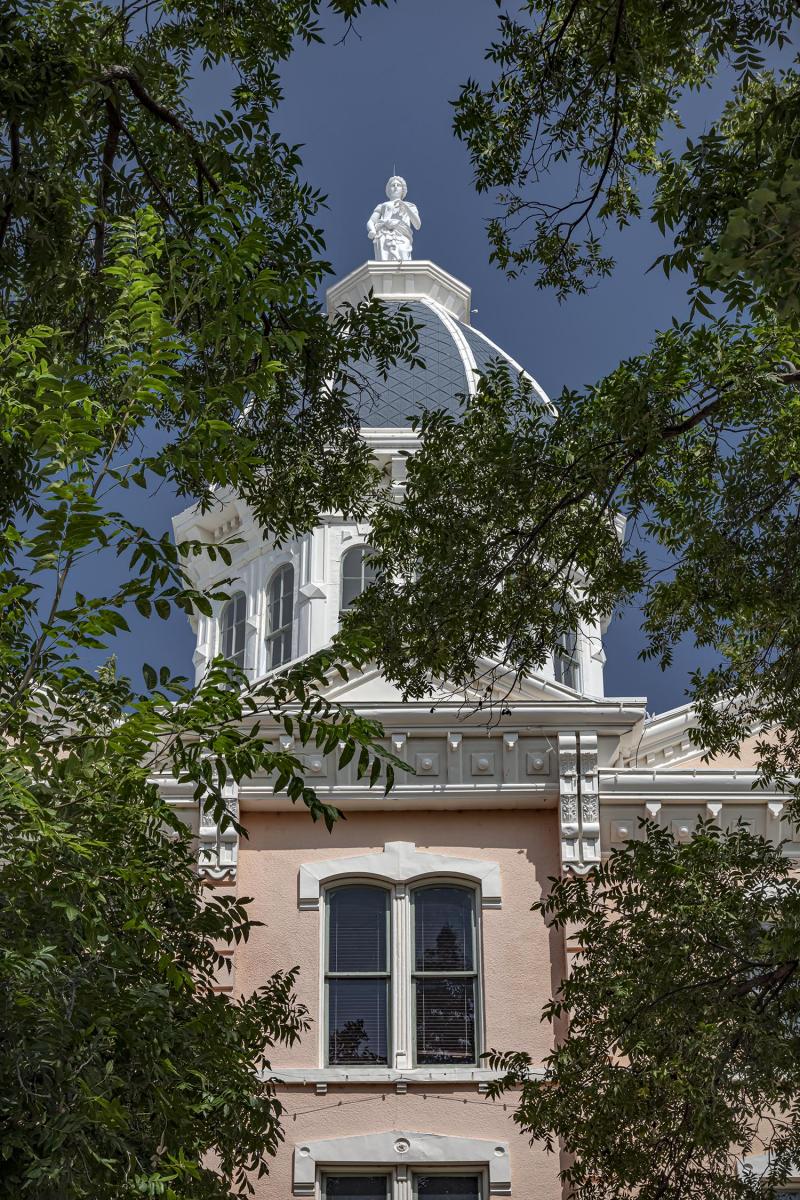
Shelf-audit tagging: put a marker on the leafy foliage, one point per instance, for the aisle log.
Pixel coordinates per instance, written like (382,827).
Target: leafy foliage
(670,1073)
(583,93)
(160,326)
(674,481)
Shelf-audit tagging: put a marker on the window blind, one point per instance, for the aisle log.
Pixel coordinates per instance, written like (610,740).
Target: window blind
(445,983)
(358,975)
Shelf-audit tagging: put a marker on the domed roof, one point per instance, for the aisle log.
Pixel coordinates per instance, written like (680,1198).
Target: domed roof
(454,353)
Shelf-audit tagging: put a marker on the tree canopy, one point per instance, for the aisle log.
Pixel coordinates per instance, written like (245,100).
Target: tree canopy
(160,324)
(694,441)
(676,1053)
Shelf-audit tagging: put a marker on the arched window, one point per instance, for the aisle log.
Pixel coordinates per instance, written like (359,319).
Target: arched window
(280,617)
(357,975)
(566,661)
(357,573)
(444,967)
(233,628)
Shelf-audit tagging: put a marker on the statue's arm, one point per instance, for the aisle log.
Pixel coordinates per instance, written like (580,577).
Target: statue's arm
(413,214)
(371,223)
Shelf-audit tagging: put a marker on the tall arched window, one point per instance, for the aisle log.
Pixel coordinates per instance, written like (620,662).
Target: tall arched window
(357,975)
(566,661)
(280,616)
(233,628)
(445,975)
(357,573)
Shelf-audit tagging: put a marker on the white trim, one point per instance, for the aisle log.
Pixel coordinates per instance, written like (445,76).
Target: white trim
(506,357)
(411,1075)
(400,1148)
(465,353)
(399,862)
(416,279)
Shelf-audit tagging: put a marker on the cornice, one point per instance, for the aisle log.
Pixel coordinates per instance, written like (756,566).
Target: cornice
(418,279)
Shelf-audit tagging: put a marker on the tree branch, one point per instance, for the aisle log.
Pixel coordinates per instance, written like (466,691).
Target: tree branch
(157,110)
(8,210)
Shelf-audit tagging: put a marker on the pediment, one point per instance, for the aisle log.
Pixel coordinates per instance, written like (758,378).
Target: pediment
(368,686)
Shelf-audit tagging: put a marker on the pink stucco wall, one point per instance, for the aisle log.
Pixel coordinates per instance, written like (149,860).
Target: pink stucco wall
(534,1173)
(522,961)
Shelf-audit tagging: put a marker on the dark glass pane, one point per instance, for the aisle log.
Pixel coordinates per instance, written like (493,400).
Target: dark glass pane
(443,929)
(445,1021)
(280,598)
(456,1187)
(357,573)
(357,1020)
(353,1187)
(233,628)
(357,929)
(565,660)
(351,588)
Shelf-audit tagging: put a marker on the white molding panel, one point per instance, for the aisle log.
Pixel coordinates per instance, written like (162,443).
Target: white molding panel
(400,1148)
(399,862)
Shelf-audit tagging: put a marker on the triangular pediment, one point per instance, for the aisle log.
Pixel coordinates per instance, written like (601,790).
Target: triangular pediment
(368,686)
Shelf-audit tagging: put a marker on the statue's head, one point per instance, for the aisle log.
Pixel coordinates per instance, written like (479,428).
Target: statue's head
(396,188)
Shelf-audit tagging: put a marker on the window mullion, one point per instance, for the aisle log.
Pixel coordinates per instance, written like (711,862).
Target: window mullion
(401,986)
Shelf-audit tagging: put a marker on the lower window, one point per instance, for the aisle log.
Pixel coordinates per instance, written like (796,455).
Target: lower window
(435,1185)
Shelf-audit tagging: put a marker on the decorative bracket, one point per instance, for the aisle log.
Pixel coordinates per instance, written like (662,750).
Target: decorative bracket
(218,849)
(579,801)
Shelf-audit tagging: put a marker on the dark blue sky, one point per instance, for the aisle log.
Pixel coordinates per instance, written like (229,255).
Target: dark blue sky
(380,101)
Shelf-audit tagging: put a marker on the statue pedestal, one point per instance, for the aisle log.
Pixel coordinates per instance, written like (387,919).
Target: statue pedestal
(414,280)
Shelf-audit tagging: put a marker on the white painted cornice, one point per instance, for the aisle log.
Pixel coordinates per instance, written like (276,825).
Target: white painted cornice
(419,279)
(694,785)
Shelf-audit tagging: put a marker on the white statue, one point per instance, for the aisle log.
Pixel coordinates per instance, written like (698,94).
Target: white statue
(392,223)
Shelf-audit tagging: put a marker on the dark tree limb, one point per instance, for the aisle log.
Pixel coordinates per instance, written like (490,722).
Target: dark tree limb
(8,210)
(110,147)
(161,113)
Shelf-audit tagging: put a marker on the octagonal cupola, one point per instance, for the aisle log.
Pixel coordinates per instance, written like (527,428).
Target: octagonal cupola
(287,600)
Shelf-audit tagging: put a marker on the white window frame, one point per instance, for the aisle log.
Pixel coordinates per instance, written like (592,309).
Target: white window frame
(400,864)
(401,1154)
(277,634)
(326,975)
(413,974)
(229,607)
(574,661)
(401,1026)
(364,547)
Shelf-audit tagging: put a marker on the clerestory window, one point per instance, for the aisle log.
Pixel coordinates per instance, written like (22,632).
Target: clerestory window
(423,984)
(566,661)
(233,629)
(280,617)
(357,573)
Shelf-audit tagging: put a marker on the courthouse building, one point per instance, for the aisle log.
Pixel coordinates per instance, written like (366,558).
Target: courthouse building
(411,922)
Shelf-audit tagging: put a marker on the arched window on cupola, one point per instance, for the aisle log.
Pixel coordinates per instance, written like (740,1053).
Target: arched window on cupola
(233,629)
(357,573)
(567,662)
(280,616)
